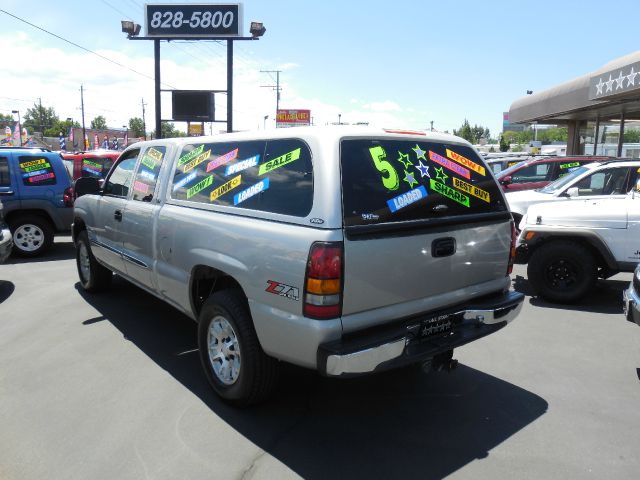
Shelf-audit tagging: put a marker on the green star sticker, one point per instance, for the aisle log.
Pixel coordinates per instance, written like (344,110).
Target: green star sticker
(408,177)
(419,152)
(404,159)
(440,175)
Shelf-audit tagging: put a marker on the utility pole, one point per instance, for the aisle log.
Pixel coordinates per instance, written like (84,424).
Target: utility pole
(275,87)
(41,120)
(84,133)
(432,125)
(144,123)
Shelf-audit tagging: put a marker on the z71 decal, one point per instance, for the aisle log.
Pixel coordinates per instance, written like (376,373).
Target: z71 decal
(282,290)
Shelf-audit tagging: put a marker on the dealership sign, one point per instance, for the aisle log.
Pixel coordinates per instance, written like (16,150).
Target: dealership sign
(195,20)
(614,82)
(293,118)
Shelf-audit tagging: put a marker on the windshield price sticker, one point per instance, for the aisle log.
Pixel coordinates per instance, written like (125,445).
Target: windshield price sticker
(195,20)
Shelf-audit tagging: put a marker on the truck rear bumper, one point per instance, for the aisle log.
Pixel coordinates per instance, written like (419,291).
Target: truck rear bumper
(418,338)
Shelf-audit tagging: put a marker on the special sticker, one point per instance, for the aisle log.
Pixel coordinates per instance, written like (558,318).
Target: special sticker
(242,165)
(279,161)
(221,190)
(449,192)
(466,162)
(472,190)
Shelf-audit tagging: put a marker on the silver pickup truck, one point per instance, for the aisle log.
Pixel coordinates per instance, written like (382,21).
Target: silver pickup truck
(345,250)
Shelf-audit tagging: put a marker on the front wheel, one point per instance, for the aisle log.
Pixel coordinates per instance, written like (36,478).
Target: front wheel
(233,361)
(562,271)
(93,276)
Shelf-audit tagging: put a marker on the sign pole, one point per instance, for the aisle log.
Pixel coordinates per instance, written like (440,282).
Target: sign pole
(156,58)
(229,85)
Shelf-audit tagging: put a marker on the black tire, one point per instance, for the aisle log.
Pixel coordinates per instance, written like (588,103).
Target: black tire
(93,276)
(516,220)
(256,375)
(32,235)
(562,271)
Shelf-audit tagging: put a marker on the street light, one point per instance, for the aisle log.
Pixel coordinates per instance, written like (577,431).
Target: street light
(132,29)
(264,124)
(19,126)
(126,135)
(339,122)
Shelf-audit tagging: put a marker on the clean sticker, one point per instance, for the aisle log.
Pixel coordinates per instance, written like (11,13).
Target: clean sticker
(183,181)
(407,198)
(148,161)
(251,191)
(34,168)
(440,175)
(279,162)
(449,192)
(147,175)
(424,170)
(155,154)
(201,185)
(221,160)
(191,155)
(471,189)
(196,161)
(446,163)
(141,187)
(419,153)
(569,165)
(404,159)
(242,165)
(230,185)
(282,290)
(409,178)
(466,162)
(41,178)
(390,181)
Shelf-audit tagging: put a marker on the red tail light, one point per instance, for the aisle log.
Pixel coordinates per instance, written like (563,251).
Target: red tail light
(323,281)
(67,197)
(512,252)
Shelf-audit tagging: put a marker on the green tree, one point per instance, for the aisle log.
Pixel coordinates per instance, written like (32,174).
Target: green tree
(136,127)
(6,120)
(504,145)
(169,130)
(39,119)
(99,123)
(631,136)
(550,135)
(472,134)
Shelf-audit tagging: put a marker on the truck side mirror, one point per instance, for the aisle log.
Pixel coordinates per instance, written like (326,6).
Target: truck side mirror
(86,185)
(573,192)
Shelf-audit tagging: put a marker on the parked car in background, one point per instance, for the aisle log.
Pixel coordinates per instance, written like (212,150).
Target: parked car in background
(606,177)
(94,163)
(631,298)
(37,194)
(498,162)
(6,241)
(538,172)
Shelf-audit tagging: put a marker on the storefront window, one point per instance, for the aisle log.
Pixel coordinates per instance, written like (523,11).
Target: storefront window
(631,139)
(586,136)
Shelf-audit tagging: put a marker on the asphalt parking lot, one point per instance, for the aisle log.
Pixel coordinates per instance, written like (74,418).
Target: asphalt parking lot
(110,386)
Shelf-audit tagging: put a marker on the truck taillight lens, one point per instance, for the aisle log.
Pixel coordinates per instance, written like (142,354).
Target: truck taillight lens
(512,252)
(323,281)
(67,197)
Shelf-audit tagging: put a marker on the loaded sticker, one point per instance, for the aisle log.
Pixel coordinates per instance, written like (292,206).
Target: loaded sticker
(466,162)
(230,185)
(449,192)
(407,198)
(183,181)
(222,159)
(201,185)
(569,165)
(391,181)
(279,161)
(404,159)
(446,163)
(242,165)
(424,169)
(471,189)
(196,161)
(282,290)
(409,178)
(141,187)
(41,178)
(191,155)
(419,152)
(261,186)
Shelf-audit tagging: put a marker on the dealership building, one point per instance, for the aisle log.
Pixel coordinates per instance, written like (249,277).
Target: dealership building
(601,109)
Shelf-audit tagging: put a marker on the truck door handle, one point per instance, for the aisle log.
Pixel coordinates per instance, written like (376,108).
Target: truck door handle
(443,247)
(117,215)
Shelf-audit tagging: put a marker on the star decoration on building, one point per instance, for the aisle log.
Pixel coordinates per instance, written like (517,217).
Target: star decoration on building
(419,152)
(440,175)
(619,81)
(404,159)
(408,177)
(609,84)
(599,86)
(631,78)
(424,170)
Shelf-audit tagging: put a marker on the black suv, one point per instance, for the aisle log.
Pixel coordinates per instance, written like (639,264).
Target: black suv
(37,193)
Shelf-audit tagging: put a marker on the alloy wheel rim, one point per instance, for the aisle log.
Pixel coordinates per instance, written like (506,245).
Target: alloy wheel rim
(28,237)
(224,350)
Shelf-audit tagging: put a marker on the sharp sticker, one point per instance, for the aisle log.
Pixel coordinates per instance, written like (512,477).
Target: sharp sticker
(449,192)
(446,163)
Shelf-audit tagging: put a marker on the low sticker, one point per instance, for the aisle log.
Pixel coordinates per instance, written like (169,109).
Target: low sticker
(201,185)
(466,162)
(472,190)
(253,190)
(222,159)
(446,163)
(278,162)
(183,181)
(449,192)
(42,178)
(230,185)
(196,161)
(407,198)
(282,290)
(191,155)
(569,165)
(242,165)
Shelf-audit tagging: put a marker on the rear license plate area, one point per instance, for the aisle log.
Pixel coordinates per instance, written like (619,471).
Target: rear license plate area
(438,325)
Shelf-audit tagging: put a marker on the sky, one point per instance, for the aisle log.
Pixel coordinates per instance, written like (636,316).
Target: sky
(400,64)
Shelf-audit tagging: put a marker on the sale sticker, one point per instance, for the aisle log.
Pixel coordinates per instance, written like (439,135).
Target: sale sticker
(449,192)
(446,163)
(466,162)
(279,161)
(472,190)
(230,185)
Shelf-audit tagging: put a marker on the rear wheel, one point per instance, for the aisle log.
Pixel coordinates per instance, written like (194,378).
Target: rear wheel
(32,235)
(233,361)
(93,276)
(562,271)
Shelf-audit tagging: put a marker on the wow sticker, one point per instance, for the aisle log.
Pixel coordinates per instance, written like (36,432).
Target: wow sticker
(196,161)
(261,186)
(279,161)
(191,155)
(221,160)
(446,163)
(230,185)
(198,187)
(471,189)
(407,198)
(32,163)
(242,165)
(569,165)
(449,192)
(183,181)
(466,162)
